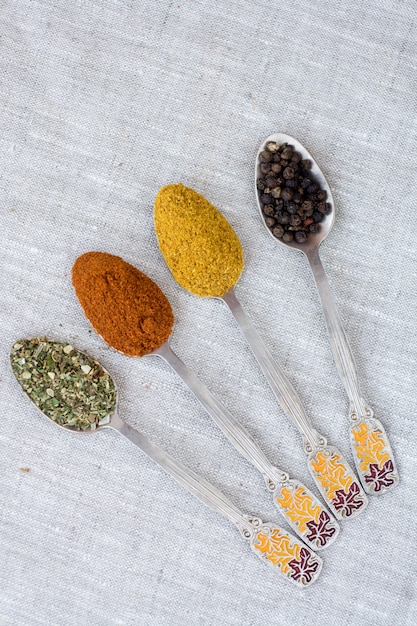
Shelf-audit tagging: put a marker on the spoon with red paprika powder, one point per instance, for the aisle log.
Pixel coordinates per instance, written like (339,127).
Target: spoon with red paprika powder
(36,359)
(131,313)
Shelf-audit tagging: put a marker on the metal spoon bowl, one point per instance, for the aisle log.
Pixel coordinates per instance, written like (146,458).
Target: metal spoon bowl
(313,240)
(272,544)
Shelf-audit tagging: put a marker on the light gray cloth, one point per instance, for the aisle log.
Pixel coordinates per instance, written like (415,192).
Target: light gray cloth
(103,102)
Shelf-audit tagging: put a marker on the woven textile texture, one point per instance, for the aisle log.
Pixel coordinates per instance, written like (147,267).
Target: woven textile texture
(101,103)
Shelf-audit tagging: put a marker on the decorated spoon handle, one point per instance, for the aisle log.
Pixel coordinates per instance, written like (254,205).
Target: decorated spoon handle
(306,514)
(279,383)
(280,549)
(372,451)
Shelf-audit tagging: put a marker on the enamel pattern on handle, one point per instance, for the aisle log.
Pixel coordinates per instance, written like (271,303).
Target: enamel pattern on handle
(337,482)
(281,550)
(372,451)
(305,513)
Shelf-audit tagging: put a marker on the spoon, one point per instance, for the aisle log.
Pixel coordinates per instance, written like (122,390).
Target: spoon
(278,548)
(329,469)
(296,503)
(371,449)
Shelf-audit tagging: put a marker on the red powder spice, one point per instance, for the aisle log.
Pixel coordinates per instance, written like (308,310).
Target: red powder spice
(123,305)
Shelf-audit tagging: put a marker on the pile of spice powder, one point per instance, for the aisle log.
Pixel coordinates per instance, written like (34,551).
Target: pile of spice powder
(198,244)
(68,386)
(124,306)
(293,204)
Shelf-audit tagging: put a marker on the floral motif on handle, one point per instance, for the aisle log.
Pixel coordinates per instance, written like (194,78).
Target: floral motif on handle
(371,447)
(296,561)
(306,514)
(339,485)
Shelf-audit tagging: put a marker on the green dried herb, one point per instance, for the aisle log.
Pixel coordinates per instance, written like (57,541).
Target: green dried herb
(68,386)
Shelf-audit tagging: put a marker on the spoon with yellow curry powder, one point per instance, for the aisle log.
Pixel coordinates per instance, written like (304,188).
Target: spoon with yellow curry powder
(134,317)
(47,372)
(205,257)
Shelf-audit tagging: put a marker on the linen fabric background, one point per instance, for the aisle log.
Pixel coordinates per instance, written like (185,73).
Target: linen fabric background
(102,103)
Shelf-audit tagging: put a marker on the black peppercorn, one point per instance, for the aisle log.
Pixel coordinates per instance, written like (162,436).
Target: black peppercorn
(306,164)
(265,168)
(296,157)
(312,188)
(300,236)
(278,231)
(276,192)
(268,210)
(266,198)
(269,221)
(279,203)
(287,194)
(287,154)
(291,208)
(276,168)
(323,207)
(307,206)
(272,146)
(306,182)
(276,157)
(288,172)
(265,156)
(271,181)
(314,228)
(260,183)
(283,217)
(321,194)
(295,220)
(290,184)
(287,237)
(317,217)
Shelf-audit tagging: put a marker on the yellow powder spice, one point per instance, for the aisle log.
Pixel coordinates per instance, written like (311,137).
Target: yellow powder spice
(198,244)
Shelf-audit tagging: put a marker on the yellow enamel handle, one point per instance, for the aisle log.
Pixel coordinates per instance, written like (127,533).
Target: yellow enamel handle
(309,518)
(337,482)
(292,558)
(373,456)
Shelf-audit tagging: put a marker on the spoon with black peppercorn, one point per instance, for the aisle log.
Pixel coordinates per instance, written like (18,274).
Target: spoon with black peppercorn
(297,207)
(41,361)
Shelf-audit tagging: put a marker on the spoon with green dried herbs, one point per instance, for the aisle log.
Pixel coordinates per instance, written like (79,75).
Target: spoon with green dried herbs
(297,207)
(205,257)
(131,313)
(75,392)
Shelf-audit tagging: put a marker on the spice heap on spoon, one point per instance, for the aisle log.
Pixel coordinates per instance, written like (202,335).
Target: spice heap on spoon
(293,196)
(78,394)
(205,257)
(133,316)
